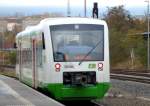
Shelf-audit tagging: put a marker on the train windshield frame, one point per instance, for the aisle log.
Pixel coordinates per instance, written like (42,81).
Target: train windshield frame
(71,42)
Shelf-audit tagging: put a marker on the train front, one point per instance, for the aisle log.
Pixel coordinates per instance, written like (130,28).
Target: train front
(80,61)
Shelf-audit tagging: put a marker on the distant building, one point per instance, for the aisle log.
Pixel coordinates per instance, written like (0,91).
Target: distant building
(140,17)
(14,26)
(8,23)
(145,35)
(13,20)
(30,22)
(33,20)
(3,25)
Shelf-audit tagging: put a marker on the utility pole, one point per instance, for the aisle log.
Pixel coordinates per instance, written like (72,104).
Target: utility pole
(68,8)
(148,32)
(3,44)
(148,49)
(84,8)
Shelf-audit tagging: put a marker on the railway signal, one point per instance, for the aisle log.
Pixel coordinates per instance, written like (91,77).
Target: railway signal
(95,10)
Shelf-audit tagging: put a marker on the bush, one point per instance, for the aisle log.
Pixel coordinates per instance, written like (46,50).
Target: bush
(12,58)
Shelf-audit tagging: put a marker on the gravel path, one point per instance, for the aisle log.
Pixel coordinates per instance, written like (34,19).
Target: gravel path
(127,93)
(135,88)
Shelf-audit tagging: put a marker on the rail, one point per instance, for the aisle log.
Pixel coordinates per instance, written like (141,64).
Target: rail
(137,76)
(7,66)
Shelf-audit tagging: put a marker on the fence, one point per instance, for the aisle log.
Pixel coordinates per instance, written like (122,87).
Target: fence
(7,56)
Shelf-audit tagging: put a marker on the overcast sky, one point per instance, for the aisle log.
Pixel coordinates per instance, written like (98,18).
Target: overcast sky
(63,3)
(135,7)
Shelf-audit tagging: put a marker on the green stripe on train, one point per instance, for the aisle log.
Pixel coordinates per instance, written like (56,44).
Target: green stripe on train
(60,92)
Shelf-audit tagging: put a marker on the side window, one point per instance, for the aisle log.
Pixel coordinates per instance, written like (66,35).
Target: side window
(43,40)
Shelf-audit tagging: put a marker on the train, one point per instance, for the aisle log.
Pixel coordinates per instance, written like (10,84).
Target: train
(68,57)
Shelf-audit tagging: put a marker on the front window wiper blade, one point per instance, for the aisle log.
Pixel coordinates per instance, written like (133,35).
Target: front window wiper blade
(89,52)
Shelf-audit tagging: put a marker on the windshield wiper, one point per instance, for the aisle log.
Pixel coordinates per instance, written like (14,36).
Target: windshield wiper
(90,52)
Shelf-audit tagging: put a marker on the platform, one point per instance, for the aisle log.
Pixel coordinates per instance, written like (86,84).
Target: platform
(14,93)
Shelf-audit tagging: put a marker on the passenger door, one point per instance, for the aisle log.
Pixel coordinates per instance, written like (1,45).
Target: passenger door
(20,61)
(34,69)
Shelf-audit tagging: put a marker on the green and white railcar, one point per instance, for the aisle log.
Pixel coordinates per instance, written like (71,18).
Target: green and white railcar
(69,57)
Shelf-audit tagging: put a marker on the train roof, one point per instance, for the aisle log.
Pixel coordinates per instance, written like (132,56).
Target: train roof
(66,20)
(28,29)
(61,20)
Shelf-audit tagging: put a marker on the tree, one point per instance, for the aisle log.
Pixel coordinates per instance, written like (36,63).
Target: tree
(118,20)
(12,57)
(123,29)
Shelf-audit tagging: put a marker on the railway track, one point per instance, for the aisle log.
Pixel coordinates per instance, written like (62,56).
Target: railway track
(7,66)
(143,73)
(137,76)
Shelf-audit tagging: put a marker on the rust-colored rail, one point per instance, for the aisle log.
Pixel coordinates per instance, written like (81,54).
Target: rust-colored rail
(137,76)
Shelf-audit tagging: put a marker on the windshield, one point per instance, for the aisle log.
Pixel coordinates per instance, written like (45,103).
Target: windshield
(72,42)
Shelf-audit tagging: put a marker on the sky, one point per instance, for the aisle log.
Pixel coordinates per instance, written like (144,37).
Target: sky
(134,6)
(63,3)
